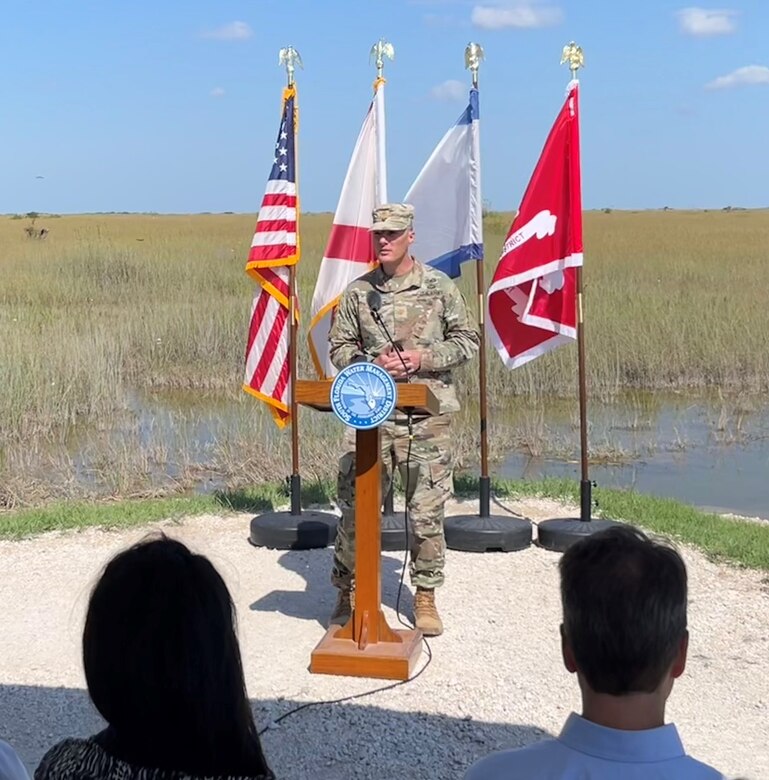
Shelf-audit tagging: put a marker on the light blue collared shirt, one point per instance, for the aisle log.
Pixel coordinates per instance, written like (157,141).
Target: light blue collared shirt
(587,751)
(11,767)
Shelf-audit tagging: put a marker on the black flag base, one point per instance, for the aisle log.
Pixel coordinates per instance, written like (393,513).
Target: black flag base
(293,529)
(485,532)
(393,525)
(559,534)
(393,531)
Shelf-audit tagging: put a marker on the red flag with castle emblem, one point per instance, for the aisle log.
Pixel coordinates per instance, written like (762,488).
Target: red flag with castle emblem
(532,299)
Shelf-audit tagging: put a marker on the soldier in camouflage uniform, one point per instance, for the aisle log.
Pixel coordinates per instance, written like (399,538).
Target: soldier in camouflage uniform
(427,317)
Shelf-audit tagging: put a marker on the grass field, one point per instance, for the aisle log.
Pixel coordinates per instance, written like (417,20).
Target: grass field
(108,306)
(738,542)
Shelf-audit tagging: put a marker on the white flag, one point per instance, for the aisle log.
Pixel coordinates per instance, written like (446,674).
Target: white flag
(350,252)
(448,217)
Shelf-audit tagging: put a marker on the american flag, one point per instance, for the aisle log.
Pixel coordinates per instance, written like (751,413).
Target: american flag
(274,248)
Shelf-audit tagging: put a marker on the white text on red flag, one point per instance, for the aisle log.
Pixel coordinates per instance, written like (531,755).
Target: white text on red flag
(532,299)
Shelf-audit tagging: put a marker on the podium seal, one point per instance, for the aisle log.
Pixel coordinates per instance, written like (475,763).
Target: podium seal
(363,395)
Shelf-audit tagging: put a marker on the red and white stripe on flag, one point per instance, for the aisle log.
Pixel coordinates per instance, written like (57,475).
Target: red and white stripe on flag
(532,299)
(350,251)
(274,248)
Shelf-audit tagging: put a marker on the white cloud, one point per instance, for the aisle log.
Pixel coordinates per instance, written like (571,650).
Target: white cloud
(704,22)
(449,90)
(234,31)
(750,74)
(516,14)
(217,92)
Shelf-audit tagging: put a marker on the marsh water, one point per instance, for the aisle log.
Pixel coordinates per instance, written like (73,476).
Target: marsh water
(707,451)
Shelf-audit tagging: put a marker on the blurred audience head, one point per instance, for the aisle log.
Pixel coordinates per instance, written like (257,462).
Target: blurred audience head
(624,602)
(163,665)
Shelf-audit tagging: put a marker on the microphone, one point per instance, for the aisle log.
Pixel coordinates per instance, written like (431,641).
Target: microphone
(374,301)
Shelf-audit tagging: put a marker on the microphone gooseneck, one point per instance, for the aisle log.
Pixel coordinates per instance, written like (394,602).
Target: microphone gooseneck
(374,301)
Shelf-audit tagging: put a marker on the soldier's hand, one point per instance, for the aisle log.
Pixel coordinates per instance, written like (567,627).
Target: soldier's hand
(384,358)
(394,366)
(412,359)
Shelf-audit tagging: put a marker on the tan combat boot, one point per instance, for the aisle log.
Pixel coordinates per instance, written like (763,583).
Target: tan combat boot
(343,609)
(427,619)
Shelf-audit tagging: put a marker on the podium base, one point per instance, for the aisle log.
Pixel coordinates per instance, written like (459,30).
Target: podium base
(559,534)
(384,660)
(284,531)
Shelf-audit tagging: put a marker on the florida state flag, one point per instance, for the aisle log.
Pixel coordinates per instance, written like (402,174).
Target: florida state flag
(533,295)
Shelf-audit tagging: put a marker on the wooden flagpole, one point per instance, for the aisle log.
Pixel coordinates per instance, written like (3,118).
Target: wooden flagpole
(484,531)
(296,480)
(573,55)
(289,57)
(473,57)
(293,529)
(559,533)
(585,485)
(380,51)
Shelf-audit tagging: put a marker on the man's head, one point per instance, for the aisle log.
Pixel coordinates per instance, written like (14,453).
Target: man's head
(624,612)
(392,232)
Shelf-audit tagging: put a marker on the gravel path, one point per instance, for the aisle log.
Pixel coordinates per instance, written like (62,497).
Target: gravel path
(496,679)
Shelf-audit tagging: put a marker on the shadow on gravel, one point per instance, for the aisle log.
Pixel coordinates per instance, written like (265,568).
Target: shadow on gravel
(327,742)
(317,599)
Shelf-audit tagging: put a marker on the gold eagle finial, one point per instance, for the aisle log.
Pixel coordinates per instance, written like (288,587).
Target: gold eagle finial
(379,51)
(574,55)
(289,57)
(473,57)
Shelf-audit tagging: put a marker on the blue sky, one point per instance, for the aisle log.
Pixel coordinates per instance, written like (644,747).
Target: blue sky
(173,107)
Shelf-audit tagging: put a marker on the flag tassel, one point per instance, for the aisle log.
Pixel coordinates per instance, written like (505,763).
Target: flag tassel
(295,484)
(485,480)
(585,492)
(295,481)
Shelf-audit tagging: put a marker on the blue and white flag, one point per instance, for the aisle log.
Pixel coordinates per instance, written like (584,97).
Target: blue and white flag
(447,197)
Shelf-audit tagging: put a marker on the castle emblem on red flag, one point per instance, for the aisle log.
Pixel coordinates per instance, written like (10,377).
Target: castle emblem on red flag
(533,295)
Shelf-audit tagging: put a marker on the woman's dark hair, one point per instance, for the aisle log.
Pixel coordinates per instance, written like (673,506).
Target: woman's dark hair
(163,665)
(624,609)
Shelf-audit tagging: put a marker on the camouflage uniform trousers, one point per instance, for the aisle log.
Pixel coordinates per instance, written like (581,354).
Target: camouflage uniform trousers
(428,484)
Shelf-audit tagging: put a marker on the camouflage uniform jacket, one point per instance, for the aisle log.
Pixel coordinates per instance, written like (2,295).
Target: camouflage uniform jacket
(423,310)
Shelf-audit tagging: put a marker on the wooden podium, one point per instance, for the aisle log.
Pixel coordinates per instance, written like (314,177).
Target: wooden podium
(366,646)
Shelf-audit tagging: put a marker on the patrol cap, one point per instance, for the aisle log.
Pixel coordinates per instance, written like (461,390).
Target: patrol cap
(393,216)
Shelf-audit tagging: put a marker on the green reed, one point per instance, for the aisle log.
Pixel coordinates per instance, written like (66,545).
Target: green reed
(109,305)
